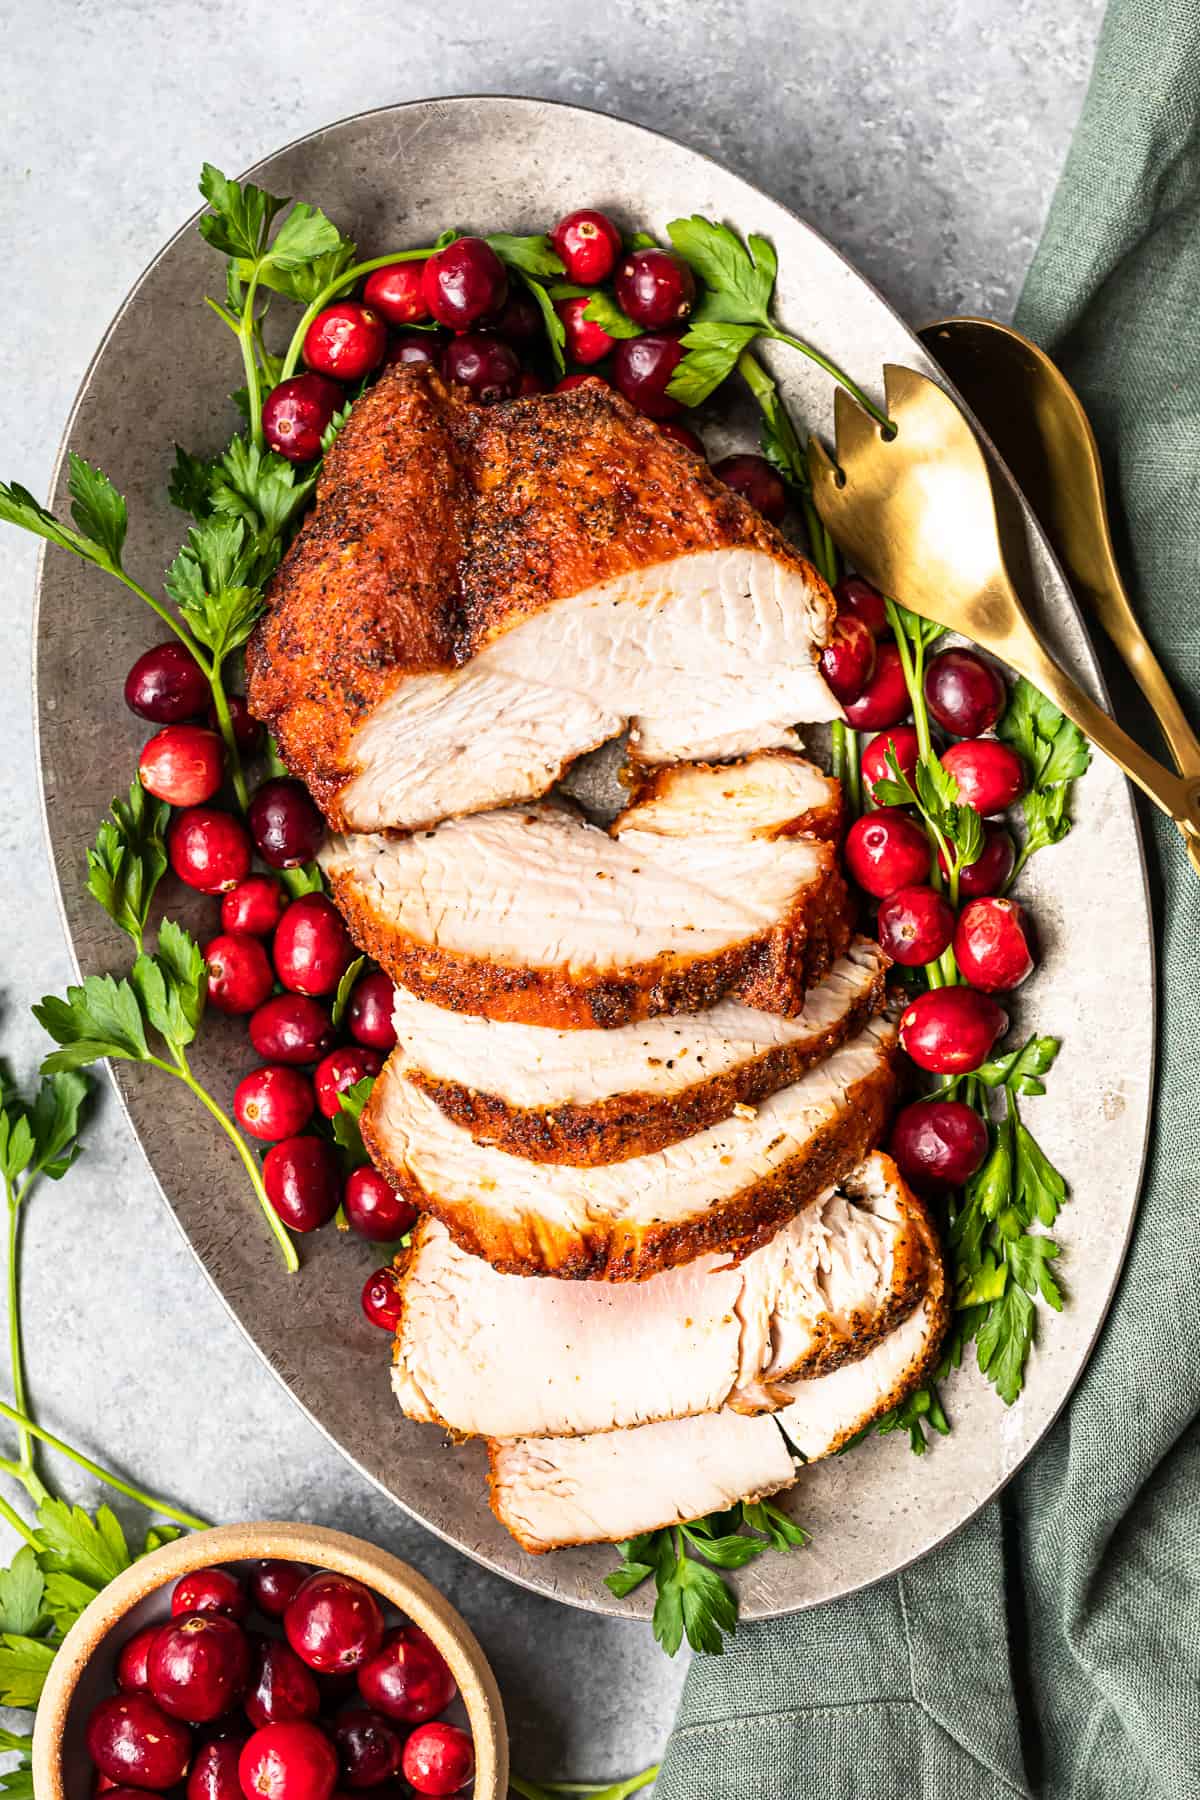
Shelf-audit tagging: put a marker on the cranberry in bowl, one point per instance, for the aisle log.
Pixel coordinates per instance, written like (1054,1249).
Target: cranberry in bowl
(453,1677)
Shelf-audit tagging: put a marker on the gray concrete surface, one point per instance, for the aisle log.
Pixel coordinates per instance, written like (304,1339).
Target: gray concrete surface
(925,140)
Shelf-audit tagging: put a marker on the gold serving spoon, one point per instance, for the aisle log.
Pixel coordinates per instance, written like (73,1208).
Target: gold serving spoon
(915,513)
(1036,420)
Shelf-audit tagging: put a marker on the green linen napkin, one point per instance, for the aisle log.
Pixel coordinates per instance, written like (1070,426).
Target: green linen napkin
(1053,1647)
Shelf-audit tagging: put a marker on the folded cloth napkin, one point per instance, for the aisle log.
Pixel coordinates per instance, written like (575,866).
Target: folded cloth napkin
(1052,1648)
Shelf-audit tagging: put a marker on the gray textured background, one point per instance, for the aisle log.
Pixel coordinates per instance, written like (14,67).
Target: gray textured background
(925,140)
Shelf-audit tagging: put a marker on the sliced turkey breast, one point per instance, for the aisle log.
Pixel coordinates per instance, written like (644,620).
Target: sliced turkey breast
(587,1097)
(551,1492)
(534,915)
(769,795)
(733,1184)
(497,1355)
(482,594)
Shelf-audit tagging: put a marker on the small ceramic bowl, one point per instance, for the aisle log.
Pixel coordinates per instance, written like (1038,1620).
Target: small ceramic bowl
(83,1670)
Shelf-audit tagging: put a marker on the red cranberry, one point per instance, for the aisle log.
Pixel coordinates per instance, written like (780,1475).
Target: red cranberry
(965,694)
(274,1102)
(290,1761)
(655,288)
(291,1028)
(407,1678)
(679,434)
(642,369)
(312,947)
(531,383)
(166,684)
(273,1584)
(848,659)
(214,1773)
(991,868)
(415,347)
(247,731)
(341,1070)
(396,293)
(132,1674)
(989,774)
(209,850)
(381,1300)
(439,1758)
(886,850)
(586,341)
(368,1748)
(136,1744)
(588,245)
(254,906)
(464,282)
(902,741)
(297,413)
(991,944)
(915,925)
(182,764)
(212,1590)
(281,1688)
(755,479)
(239,974)
(575,381)
(374,1209)
(951,1030)
(486,366)
(334,1623)
(369,1014)
(303,1180)
(199,1666)
(862,601)
(938,1143)
(884,701)
(285,823)
(519,319)
(346,340)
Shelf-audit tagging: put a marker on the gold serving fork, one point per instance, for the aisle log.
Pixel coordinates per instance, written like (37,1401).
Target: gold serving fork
(915,513)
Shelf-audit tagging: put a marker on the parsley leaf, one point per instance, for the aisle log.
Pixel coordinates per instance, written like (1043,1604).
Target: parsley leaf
(712,350)
(171,984)
(22,1598)
(71,1543)
(1004,1339)
(24,1666)
(129,859)
(603,310)
(97,508)
(738,278)
(259,487)
(241,215)
(98,1019)
(189,484)
(344,1123)
(534,256)
(213,581)
(1057,753)
(1021,1069)
(304,878)
(344,987)
(555,330)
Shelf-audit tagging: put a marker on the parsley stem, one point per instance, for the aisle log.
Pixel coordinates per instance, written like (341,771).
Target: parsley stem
(854,771)
(839,375)
(246,327)
(25,1471)
(216,682)
(13,1517)
(149,1501)
(168,618)
(279,1231)
(839,761)
(346,279)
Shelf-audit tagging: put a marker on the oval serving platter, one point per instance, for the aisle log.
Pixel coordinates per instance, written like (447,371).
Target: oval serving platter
(393,178)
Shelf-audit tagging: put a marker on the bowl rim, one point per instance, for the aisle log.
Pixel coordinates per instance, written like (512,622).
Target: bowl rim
(397,1582)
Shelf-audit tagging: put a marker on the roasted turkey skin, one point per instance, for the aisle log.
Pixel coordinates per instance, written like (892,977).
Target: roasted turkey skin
(480,595)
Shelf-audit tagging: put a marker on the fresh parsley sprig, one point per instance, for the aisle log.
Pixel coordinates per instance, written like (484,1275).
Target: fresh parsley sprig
(692,1600)
(105,1018)
(129,859)
(734,308)
(1057,754)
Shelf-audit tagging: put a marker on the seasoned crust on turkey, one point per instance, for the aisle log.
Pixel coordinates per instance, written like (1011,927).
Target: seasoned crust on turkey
(729,1187)
(479,595)
(588,1097)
